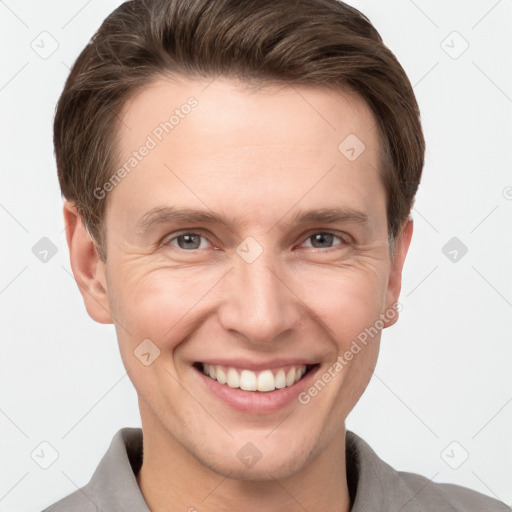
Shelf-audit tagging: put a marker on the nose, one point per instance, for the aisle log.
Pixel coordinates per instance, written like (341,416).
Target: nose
(259,302)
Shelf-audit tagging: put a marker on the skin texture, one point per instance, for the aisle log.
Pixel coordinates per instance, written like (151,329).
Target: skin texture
(257,158)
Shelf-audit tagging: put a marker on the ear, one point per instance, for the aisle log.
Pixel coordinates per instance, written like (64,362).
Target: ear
(88,269)
(402,243)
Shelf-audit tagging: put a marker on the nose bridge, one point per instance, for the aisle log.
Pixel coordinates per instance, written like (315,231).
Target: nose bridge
(258,304)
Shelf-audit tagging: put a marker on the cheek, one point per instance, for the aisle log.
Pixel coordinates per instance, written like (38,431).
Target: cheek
(348,304)
(345,300)
(158,303)
(154,302)
(155,305)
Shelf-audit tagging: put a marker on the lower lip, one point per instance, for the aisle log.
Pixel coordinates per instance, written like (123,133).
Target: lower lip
(257,402)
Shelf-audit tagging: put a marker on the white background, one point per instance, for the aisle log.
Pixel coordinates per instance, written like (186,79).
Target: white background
(444,369)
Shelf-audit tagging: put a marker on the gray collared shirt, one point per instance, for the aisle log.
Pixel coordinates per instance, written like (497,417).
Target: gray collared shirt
(373,484)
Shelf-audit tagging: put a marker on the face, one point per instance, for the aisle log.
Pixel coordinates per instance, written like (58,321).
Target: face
(248,242)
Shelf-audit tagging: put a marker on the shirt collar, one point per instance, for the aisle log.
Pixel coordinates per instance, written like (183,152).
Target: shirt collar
(373,484)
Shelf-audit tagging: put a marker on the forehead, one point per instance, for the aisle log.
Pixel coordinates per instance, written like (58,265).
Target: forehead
(316,113)
(219,143)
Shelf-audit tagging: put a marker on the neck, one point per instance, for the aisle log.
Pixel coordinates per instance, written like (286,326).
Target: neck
(171,478)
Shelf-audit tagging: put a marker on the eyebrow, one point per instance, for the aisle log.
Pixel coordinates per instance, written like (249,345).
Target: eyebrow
(168,214)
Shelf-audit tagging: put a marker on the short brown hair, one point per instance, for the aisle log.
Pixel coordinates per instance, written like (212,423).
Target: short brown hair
(304,42)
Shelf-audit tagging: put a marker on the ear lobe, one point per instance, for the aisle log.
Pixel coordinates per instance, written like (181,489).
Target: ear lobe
(402,244)
(87,267)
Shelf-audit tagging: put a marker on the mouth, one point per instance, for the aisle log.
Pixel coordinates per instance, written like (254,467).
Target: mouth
(264,381)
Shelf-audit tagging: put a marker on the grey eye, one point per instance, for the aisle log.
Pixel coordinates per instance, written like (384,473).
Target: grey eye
(189,241)
(320,240)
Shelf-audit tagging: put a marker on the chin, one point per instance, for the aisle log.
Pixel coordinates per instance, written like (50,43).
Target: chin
(277,468)
(262,459)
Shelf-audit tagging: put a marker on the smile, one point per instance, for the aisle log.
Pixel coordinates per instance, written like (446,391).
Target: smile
(248,380)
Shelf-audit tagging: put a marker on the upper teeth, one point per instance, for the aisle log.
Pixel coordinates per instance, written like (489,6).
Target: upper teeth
(252,381)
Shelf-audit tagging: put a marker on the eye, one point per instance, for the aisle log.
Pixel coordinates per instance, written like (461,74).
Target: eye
(190,241)
(186,241)
(324,240)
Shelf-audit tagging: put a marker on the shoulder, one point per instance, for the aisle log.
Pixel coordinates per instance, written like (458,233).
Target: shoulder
(375,485)
(427,495)
(113,485)
(77,501)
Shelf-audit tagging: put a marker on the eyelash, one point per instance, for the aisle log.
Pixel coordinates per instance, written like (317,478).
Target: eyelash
(344,238)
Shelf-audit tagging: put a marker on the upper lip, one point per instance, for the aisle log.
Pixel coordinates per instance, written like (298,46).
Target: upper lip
(251,364)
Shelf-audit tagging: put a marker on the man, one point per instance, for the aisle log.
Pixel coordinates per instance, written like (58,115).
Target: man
(238,180)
